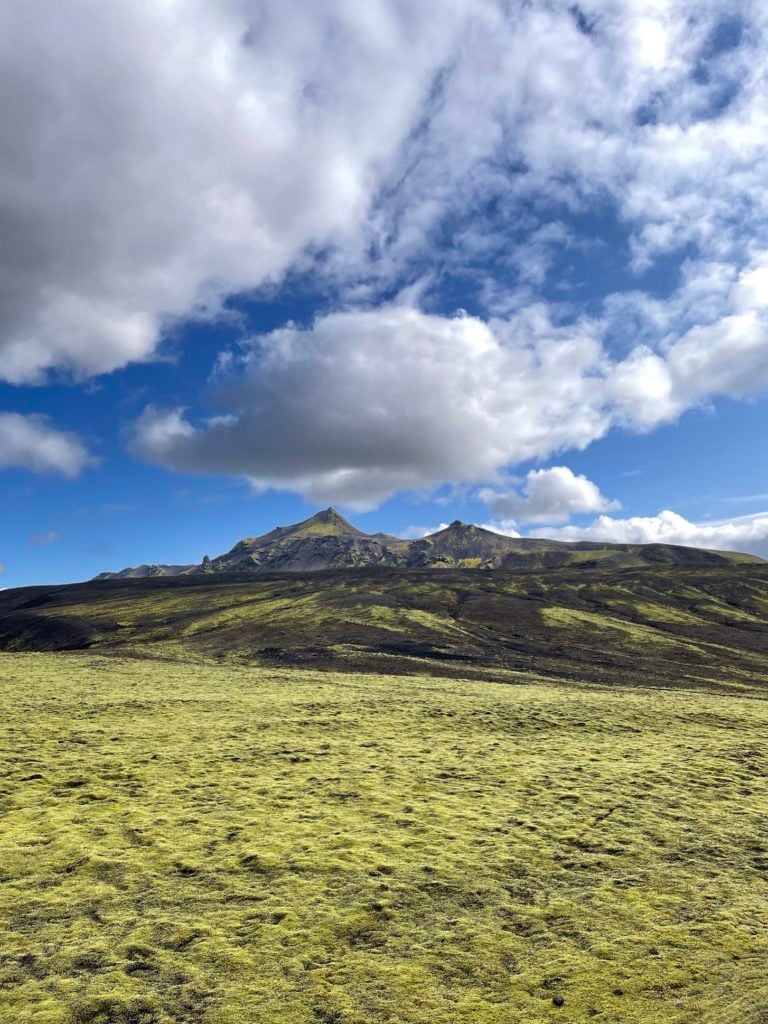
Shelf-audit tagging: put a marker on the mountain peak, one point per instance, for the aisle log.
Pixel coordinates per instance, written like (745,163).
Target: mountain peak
(330,515)
(326,523)
(457,526)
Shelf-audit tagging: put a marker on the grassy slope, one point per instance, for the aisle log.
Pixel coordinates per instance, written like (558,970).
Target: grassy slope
(667,625)
(191,843)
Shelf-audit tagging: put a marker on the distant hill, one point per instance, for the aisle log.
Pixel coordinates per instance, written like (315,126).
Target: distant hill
(656,624)
(327,541)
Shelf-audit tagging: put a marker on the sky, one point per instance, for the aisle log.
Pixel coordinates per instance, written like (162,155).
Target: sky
(489,260)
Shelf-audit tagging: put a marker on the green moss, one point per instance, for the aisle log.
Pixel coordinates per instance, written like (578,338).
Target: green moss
(189,843)
(659,612)
(400,620)
(597,555)
(631,632)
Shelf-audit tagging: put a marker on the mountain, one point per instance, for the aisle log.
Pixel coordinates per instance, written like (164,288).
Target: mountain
(324,541)
(143,572)
(327,541)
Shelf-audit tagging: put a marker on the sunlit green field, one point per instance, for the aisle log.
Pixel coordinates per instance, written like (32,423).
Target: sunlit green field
(224,845)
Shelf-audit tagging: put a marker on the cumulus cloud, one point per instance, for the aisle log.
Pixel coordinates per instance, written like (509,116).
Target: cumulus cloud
(551,495)
(30,442)
(367,403)
(162,156)
(745,533)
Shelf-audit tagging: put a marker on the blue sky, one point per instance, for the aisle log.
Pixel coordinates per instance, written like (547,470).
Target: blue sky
(506,265)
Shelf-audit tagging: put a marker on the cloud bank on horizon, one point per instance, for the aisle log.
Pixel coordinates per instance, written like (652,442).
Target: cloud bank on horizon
(749,533)
(594,176)
(746,533)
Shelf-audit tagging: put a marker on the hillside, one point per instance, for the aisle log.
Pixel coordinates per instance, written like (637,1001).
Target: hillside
(327,541)
(669,625)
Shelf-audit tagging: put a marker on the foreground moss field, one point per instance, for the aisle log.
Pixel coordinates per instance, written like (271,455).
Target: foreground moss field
(191,842)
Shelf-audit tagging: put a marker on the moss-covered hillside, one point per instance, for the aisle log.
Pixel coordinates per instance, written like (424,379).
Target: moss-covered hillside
(662,626)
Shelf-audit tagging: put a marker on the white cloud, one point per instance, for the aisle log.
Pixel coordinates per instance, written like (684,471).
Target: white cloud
(664,126)
(505,529)
(165,155)
(417,532)
(31,443)
(548,496)
(2,573)
(367,403)
(746,533)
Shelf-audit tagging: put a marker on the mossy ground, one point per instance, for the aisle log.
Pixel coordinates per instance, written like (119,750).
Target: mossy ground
(230,845)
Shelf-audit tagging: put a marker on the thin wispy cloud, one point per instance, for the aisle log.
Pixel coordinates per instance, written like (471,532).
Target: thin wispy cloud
(44,540)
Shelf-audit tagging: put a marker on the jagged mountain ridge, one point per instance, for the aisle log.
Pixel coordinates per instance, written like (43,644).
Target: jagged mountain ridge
(328,541)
